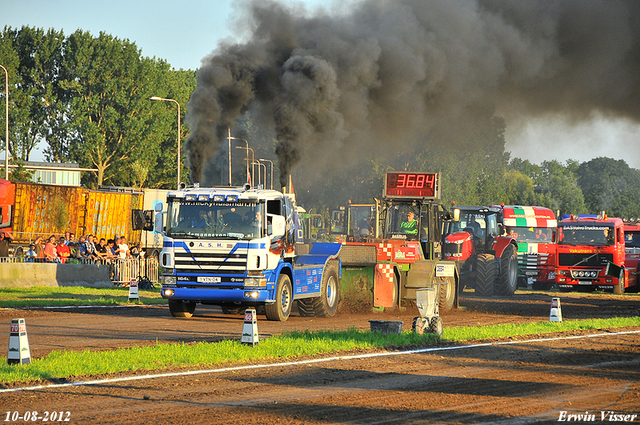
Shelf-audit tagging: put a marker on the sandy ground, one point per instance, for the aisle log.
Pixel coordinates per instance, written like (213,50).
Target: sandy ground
(509,382)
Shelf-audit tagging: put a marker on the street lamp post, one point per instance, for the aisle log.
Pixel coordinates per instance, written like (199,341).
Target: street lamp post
(6,123)
(253,159)
(263,182)
(179,118)
(265,169)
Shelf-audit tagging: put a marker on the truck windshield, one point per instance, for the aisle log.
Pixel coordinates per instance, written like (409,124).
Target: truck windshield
(530,234)
(632,239)
(586,235)
(211,220)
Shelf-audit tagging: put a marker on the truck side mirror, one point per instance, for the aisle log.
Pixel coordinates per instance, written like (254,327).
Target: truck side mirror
(157,224)
(278,226)
(456,215)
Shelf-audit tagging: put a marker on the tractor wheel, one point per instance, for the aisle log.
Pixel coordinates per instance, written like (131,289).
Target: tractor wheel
(180,308)
(447,295)
(281,308)
(485,274)
(508,278)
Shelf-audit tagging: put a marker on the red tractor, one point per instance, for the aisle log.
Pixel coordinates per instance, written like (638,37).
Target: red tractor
(488,260)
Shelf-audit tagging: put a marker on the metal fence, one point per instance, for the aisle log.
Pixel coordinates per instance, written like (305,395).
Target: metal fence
(122,270)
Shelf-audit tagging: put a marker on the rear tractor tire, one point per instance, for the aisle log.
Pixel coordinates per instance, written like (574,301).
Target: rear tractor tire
(508,279)
(485,275)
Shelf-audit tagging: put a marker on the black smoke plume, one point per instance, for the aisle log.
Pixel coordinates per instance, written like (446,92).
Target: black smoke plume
(381,75)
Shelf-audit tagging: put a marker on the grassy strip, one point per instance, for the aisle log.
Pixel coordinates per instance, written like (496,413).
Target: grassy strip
(42,296)
(289,345)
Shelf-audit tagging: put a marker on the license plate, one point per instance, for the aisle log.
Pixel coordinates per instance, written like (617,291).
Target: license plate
(208,279)
(585,282)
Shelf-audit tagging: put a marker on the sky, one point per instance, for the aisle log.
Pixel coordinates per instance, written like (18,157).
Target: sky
(183,33)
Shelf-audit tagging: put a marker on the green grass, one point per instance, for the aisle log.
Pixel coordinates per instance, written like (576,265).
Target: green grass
(69,296)
(288,346)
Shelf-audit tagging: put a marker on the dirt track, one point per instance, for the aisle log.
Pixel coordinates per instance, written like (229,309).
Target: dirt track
(512,383)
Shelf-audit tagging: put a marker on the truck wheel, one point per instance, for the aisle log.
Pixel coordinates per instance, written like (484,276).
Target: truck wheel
(619,288)
(508,278)
(485,274)
(436,326)
(180,308)
(279,311)
(305,307)
(327,303)
(447,295)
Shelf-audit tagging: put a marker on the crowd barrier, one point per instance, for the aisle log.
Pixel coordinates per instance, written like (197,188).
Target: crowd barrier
(121,271)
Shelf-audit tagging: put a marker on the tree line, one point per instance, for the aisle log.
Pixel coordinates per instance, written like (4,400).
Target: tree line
(86,99)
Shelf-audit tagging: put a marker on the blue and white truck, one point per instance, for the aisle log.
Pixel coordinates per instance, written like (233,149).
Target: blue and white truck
(236,247)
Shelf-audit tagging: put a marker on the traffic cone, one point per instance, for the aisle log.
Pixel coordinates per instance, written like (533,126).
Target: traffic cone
(133,290)
(250,327)
(556,311)
(18,343)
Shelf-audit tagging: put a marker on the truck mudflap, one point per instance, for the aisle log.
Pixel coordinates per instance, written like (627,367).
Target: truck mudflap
(320,253)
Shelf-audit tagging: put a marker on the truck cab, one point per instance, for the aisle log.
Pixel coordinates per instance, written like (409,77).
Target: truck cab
(591,253)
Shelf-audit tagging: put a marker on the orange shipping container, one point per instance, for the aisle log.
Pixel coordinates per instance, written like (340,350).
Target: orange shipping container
(30,210)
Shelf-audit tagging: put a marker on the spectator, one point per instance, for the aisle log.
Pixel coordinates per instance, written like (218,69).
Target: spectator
(74,252)
(102,250)
(5,240)
(82,247)
(71,238)
(31,255)
(123,248)
(111,249)
(90,248)
(39,249)
(137,252)
(63,250)
(50,252)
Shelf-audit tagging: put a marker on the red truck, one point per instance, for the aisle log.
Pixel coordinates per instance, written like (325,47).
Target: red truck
(591,254)
(534,229)
(632,251)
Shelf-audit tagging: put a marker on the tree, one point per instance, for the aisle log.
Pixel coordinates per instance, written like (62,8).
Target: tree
(610,185)
(107,86)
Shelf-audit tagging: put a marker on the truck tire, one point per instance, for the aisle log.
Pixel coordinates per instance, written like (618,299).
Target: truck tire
(327,303)
(485,275)
(305,307)
(447,295)
(279,311)
(619,288)
(508,279)
(180,308)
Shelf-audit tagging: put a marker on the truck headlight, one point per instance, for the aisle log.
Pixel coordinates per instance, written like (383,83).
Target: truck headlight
(255,281)
(168,280)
